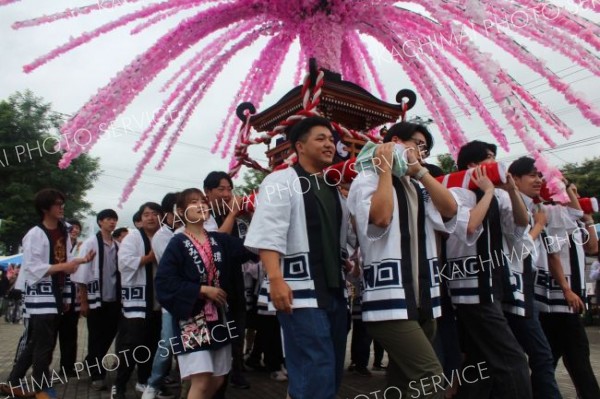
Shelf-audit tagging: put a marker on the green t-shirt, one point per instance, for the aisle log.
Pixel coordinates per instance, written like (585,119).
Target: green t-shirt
(330,234)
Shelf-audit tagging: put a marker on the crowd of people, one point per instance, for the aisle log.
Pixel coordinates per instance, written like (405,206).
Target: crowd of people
(472,293)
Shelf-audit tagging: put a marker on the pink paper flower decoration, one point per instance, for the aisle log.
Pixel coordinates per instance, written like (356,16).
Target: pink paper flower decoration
(433,47)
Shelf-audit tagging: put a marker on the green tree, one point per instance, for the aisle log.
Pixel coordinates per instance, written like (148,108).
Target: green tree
(250,182)
(446,162)
(28,161)
(586,177)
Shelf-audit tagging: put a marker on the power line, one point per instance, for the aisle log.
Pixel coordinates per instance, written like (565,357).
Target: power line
(564,147)
(139,181)
(160,176)
(493,104)
(562,111)
(132,132)
(532,81)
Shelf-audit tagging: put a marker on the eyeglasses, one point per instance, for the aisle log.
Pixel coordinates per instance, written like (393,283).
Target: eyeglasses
(59,203)
(422,145)
(419,143)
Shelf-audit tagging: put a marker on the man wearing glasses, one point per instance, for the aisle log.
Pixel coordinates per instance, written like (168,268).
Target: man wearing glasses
(46,262)
(218,188)
(396,219)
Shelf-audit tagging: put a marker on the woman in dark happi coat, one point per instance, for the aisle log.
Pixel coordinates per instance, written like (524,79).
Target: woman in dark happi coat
(192,283)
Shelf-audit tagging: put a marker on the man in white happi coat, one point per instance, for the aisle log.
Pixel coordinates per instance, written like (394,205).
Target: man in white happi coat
(299,229)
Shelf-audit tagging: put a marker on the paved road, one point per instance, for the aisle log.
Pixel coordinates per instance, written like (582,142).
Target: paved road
(353,387)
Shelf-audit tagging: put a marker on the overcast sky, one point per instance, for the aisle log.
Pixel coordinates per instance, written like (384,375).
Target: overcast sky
(70,80)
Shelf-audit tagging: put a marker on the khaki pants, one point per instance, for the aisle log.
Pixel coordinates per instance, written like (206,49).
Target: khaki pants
(412,360)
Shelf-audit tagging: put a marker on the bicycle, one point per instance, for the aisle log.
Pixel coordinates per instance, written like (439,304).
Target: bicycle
(14,310)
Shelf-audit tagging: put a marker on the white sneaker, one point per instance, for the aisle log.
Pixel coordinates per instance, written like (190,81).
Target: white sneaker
(140,387)
(149,392)
(278,376)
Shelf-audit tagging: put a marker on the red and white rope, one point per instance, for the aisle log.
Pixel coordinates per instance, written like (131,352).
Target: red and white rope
(310,101)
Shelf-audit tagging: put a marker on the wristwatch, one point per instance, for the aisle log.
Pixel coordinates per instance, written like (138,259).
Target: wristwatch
(421,174)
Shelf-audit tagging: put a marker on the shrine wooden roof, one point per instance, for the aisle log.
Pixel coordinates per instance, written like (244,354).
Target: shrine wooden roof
(341,101)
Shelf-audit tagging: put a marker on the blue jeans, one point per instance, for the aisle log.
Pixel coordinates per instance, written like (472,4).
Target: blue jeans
(315,348)
(530,335)
(161,365)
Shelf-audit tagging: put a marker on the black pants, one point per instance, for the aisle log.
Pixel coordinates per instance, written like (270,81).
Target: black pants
(377,354)
(268,341)
(258,347)
(237,348)
(446,343)
(41,341)
(568,339)
(486,337)
(237,343)
(67,339)
(136,345)
(22,340)
(102,324)
(360,348)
